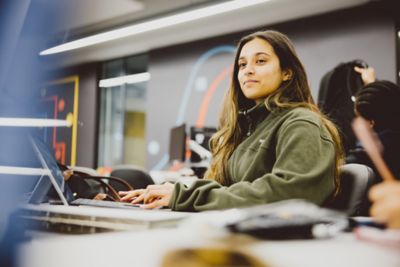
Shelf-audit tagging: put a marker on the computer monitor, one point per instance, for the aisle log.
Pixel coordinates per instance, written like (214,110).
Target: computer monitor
(177,144)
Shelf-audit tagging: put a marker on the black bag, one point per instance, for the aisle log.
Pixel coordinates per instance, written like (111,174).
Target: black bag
(84,185)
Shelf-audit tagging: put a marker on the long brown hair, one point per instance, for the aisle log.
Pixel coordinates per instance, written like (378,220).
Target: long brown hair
(292,93)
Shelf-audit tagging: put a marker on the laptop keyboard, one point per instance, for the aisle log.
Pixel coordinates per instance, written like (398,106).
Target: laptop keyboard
(106,204)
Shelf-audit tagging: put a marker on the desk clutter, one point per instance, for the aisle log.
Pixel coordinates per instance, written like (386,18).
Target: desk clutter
(290,219)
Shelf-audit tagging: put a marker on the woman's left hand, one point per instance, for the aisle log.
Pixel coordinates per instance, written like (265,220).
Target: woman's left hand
(154,196)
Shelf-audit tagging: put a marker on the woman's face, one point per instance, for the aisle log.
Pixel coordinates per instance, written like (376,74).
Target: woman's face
(259,72)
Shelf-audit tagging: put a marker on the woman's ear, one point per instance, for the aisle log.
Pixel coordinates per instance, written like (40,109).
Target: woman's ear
(371,123)
(287,75)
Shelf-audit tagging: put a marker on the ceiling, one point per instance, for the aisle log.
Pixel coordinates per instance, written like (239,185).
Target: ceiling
(94,16)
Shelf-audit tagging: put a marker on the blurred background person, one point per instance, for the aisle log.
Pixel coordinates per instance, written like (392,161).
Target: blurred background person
(336,96)
(378,103)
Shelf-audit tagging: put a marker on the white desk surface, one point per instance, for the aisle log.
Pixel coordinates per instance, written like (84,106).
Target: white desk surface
(107,218)
(137,213)
(146,248)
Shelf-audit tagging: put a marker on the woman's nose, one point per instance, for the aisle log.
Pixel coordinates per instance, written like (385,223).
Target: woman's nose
(249,69)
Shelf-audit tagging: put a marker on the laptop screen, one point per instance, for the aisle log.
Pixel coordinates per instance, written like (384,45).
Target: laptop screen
(53,176)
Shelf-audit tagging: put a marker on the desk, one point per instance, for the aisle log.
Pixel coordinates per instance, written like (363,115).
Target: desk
(146,249)
(91,219)
(147,246)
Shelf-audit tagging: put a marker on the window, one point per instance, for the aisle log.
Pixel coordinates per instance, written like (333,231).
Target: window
(123,115)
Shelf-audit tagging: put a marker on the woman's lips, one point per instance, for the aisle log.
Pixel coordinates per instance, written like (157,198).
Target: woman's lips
(250,81)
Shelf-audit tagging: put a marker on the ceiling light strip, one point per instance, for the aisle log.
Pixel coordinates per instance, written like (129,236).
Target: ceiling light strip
(153,25)
(128,79)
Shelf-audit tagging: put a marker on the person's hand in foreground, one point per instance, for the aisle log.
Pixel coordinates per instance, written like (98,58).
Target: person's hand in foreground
(154,196)
(386,203)
(367,74)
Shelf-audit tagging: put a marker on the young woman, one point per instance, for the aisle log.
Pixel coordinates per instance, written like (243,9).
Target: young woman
(272,144)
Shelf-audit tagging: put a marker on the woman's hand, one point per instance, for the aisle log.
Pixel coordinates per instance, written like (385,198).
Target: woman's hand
(386,203)
(132,196)
(367,74)
(154,196)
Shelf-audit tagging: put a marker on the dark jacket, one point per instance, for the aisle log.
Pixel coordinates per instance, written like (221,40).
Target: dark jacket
(391,153)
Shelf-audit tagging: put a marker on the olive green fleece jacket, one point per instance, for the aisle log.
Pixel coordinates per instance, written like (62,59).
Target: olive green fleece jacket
(290,154)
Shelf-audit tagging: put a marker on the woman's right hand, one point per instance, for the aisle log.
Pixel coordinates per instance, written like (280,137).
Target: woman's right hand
(133,196)
(154,196)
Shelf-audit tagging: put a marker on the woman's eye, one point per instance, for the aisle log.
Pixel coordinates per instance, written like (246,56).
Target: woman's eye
(261,61)
(242,65)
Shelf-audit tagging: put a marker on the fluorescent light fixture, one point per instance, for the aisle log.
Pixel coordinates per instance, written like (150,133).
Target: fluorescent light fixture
(128,79)
(23,171)
(28,122)
(155,24)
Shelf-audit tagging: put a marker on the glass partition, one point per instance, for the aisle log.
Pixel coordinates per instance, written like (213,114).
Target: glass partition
(123,114)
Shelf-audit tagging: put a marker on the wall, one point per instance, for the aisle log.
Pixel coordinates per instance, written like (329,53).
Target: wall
(88,116)
(86,154)
(184,77)
(362,33)
(184,80)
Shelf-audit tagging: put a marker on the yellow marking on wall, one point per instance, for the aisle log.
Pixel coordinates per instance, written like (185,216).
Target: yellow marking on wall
(72,79)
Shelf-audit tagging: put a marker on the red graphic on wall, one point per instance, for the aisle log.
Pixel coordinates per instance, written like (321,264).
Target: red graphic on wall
(60,101)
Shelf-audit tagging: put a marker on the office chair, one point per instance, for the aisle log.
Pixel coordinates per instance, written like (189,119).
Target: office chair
(356,179)
(136,176)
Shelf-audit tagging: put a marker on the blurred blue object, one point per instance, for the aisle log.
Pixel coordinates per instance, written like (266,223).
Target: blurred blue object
(26,26)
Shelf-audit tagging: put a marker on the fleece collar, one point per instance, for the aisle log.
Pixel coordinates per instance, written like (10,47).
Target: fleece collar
(250,118)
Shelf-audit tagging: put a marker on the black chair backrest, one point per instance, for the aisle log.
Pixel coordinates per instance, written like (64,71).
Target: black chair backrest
(356,179)
(136,177)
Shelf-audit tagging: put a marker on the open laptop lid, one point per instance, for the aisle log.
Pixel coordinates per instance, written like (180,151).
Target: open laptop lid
(372,146)
(52,176)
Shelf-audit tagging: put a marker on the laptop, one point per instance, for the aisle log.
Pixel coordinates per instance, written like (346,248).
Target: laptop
(53,176)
